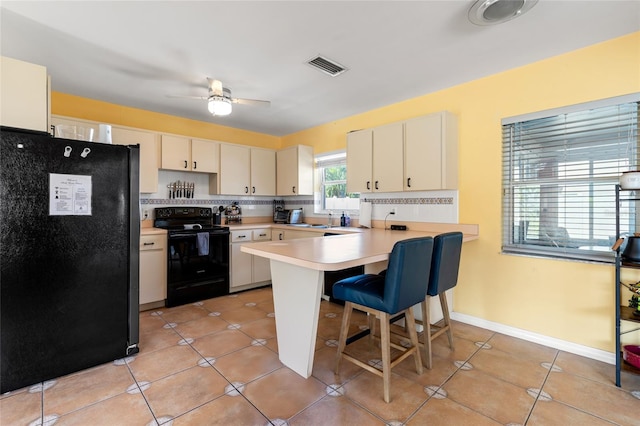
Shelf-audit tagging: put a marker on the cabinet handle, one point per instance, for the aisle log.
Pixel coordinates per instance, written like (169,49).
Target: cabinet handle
(408,182)
(293,188)
(148,244)
(186,164)
(246,189)
(280,236)
(376,185)
(254,189)
(195,165)
(242,236)
(262,235)
(368,184)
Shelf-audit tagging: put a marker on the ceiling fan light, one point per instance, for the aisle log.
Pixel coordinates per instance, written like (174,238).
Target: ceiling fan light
(219,105)
(491,12)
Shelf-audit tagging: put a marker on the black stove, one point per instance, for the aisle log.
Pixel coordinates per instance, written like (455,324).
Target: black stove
(198,255)
(187,218)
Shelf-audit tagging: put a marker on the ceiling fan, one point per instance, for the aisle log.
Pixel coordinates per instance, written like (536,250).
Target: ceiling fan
(219,99)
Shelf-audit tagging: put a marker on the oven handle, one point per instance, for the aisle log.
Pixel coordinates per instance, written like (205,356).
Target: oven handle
(191,234)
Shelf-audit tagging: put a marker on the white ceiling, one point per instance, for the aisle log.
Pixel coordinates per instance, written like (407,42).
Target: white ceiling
(138,53)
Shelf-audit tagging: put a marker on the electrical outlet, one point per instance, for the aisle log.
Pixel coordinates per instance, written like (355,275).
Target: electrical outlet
(145,214)
(393,210)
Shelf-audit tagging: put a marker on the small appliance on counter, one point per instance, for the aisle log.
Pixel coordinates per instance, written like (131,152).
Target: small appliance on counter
(233,213)
(287,216)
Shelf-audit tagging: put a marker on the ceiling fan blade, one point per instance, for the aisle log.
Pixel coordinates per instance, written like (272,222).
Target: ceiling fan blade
(252,102)
(215,87)
(203,98)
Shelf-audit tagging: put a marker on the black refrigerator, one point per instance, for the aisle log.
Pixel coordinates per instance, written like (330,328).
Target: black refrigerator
(69,255)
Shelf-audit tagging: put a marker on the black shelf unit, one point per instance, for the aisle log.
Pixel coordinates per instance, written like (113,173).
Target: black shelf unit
(623,312)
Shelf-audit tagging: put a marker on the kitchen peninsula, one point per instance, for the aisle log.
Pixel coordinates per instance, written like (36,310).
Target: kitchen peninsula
(297,274)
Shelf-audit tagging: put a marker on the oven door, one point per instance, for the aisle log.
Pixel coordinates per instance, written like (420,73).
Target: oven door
(198,266)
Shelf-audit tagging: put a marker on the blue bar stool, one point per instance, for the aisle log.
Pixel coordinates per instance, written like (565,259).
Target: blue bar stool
(403,286)
(445,264)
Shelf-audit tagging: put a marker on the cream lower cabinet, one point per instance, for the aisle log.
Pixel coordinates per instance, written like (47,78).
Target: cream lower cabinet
(294,174)
(292,234)
(153,269)
(247,171)
(192,155)
(375,159)
(431,152)
(248,271)
(24,95)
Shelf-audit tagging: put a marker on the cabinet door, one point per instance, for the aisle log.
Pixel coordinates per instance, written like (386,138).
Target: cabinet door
(153,268)
(24,95)
(235,169)
(176,153)
(261,269)
(149,154)
(359,161)
(241,266)
(205,156)
(430,145)
(287,172)
(263,172)
(387,158)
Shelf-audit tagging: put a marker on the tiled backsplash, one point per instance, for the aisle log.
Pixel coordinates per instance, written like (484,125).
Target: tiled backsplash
(425,206)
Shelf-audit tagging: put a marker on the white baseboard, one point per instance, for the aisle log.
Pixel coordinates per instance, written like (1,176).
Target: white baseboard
(574,348)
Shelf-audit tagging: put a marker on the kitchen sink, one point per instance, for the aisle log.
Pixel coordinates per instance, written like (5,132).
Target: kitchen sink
(307,225)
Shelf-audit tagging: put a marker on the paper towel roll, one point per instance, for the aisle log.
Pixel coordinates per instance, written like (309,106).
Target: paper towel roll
(104,133)
(365,214)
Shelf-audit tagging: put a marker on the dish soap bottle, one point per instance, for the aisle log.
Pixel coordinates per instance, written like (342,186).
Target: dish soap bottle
(343,220)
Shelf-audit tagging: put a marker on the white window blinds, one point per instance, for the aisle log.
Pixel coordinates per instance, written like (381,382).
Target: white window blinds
(559,174)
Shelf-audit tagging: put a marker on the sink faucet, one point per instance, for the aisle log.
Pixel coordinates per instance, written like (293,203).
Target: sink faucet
(330,221)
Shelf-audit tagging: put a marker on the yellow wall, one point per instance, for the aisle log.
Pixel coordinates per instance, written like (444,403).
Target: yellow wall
(104,112)
(566,300)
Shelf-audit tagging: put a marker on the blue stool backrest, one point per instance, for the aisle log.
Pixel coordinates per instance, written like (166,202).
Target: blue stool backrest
(445,262)
(407,274)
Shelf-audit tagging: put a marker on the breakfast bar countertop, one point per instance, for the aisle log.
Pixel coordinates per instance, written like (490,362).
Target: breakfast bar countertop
(340,251)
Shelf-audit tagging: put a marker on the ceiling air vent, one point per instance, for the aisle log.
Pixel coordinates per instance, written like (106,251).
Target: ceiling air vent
(327,66)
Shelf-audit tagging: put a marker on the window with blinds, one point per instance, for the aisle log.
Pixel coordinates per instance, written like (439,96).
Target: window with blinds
(559,173)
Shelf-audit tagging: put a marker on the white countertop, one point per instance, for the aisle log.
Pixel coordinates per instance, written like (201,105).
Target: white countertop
(337,252)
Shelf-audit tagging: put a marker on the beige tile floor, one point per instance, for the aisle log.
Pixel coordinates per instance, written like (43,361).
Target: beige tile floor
(216,362)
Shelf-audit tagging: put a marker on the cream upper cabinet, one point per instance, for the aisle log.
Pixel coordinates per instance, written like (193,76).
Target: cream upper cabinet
(360,161)
(263,171)
(247,171)
(149,154)
(431,152)
(235,170)
(184,154)
(205,156)
(24,95)
(387,158)
(374,159)
(294,175)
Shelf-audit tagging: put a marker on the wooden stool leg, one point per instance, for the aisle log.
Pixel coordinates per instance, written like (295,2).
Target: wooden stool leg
(447,319)
(344,331)
(371,320)
(426,324)
(385,346)
(410,322)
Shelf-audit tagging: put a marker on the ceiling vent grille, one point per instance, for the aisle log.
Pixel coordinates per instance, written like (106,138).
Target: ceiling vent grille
(327,66)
